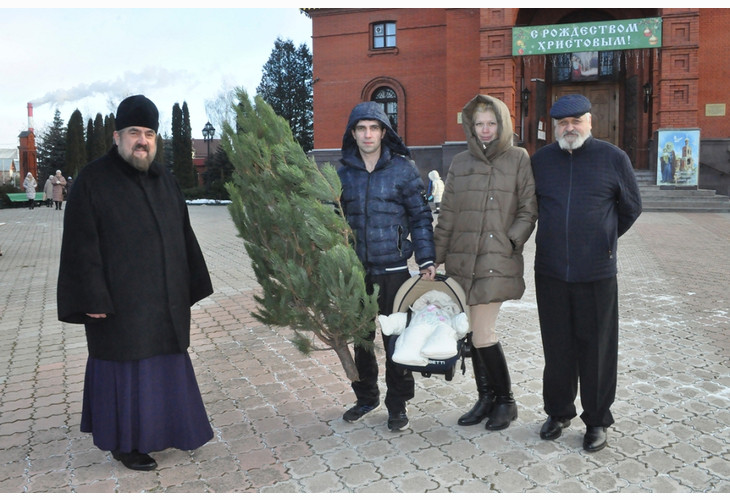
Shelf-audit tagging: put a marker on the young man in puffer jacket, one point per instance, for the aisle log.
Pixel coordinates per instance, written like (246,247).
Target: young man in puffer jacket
(383,199)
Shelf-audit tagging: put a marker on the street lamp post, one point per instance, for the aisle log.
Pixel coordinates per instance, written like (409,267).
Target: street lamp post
(208,132)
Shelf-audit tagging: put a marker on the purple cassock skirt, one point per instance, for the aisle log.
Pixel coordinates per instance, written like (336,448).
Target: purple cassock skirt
(145,405)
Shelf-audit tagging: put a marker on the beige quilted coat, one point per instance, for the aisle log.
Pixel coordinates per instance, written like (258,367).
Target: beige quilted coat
(488,212)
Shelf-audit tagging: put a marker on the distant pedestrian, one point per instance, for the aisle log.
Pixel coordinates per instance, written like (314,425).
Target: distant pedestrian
(130,270)
(48,191)
(436,190)
(29,184)
(59,184)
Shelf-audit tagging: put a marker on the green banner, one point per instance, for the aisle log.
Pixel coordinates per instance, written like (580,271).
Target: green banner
(580,37)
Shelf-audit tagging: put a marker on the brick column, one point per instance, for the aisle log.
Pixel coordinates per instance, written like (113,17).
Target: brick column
(497,74)
(677,71)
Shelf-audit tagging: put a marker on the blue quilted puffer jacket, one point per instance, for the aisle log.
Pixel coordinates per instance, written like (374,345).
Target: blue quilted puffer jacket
(386,208)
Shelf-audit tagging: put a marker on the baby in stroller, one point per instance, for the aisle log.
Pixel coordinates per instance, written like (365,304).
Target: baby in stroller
(427,330)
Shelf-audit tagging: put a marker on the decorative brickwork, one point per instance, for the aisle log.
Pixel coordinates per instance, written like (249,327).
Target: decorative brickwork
(678,70)
(445,56)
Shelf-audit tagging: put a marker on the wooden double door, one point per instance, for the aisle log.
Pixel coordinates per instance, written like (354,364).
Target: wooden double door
(604,107)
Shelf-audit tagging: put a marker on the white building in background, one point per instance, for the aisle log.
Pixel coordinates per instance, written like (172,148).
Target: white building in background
(9,161)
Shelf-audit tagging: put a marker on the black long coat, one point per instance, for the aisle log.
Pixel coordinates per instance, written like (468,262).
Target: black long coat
(129,251)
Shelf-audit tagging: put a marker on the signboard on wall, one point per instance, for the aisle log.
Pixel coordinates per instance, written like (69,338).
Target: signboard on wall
(678,157)
(625,34)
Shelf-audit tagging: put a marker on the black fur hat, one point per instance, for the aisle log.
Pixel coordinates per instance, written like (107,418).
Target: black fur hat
(138,111)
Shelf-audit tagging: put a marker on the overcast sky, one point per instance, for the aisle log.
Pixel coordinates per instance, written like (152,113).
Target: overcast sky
(90,59)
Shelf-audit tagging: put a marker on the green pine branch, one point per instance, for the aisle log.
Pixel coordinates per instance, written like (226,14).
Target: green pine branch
(285,209)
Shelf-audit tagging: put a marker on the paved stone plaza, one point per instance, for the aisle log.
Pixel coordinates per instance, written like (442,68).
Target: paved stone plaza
(277,414)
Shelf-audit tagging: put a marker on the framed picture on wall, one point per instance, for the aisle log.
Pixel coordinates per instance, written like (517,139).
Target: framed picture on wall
(678,157)
(585,66)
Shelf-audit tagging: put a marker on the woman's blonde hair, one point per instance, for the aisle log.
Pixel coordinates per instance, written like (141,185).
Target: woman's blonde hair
(483,107)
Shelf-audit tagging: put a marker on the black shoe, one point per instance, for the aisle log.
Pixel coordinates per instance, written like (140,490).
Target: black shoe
(479,411)
(398,421)
(135,460)
(595,439)
(503,413)
(553,428)
(358,411)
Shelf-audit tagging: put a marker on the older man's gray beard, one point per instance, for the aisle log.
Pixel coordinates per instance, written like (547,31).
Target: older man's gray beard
(577,142)
(141,164)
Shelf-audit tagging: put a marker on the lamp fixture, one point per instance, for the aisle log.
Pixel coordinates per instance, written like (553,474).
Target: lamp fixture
(648,89)
(525,99)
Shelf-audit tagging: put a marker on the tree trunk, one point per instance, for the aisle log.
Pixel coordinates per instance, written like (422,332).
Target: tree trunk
(348,362)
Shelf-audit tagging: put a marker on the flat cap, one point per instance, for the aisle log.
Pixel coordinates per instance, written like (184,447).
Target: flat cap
(570,105)
(137,111)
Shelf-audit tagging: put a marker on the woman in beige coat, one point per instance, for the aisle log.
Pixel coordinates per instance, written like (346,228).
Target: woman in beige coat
(59,183)
(488,212)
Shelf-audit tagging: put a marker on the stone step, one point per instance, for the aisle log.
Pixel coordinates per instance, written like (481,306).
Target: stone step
(655,192)
(686,209)
(685,204)
(657,199)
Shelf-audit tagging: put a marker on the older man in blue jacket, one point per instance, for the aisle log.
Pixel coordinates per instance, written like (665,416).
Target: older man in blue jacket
(383,199)
(587,197)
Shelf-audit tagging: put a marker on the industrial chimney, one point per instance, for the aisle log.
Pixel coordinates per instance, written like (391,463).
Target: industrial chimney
(30,117)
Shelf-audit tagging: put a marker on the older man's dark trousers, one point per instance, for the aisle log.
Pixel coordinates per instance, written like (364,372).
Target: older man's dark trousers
(399,381)
(579,326)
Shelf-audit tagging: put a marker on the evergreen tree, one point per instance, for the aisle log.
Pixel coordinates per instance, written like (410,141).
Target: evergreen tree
(75,145)
(89,139)
(109,127)
(176,132)
(187,143)
(286,85)
(51,148)
(177,143)
(98,145)
(167,154)
(300,244)
(160,155)
(182,147)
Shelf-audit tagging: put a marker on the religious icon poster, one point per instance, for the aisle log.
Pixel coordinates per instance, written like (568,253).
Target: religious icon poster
(678,157)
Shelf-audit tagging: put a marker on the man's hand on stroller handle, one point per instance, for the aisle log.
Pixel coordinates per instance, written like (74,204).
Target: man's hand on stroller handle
(428,273)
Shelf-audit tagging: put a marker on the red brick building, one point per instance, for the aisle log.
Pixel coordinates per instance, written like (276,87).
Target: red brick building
(28,155)
(644,70)
(201,147)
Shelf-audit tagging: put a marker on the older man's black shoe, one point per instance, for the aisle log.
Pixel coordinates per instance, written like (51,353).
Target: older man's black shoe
(135,460)
(553,428)
(595,439)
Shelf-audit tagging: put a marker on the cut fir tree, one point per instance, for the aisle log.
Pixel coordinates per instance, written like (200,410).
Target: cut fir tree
(285,208)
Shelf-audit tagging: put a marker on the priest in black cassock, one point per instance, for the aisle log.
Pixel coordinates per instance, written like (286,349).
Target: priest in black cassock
(130,270)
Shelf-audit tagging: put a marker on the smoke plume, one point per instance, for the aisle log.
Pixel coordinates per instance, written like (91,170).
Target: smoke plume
(129,83)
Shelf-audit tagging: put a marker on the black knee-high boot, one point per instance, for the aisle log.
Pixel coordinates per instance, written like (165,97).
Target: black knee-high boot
(504,410)
(485,394)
